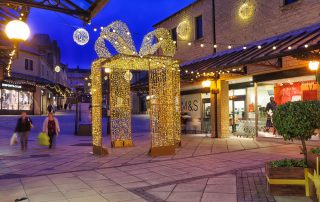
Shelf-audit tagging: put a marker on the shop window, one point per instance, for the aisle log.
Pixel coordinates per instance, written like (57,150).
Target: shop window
(25,100)
(287,2)
(174,35)
(10,99)
(199,27)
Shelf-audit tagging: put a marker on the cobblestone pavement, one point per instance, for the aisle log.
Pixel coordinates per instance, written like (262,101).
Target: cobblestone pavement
(203,169)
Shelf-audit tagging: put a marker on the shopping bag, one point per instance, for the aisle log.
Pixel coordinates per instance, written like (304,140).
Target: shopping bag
(14,139)
(43,139)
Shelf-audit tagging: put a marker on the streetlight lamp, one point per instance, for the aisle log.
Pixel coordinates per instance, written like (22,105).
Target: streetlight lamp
(314,66)
(206,84)
(17,30)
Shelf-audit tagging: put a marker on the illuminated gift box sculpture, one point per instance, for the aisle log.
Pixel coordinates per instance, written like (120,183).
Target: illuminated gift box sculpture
(164,88)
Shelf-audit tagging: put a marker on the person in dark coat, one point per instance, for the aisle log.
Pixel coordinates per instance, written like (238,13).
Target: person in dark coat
(270,108)
(65,106)
(23,128)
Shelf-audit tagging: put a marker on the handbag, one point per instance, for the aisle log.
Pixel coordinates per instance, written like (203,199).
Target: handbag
(43,139)
(14,139)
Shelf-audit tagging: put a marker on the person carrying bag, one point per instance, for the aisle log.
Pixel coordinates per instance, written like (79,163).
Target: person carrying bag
(51,128)
(23,128)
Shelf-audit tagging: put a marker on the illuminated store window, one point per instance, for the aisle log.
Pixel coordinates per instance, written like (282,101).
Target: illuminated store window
(199,27)
(25,100)
(10,99)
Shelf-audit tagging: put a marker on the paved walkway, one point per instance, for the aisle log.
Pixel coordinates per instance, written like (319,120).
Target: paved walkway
(203,169)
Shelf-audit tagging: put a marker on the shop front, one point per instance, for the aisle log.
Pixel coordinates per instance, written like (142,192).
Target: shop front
(244,93)
(16,98)
(195,111)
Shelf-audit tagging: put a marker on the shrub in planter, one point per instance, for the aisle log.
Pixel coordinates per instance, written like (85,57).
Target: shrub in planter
(293,120)
(297,120)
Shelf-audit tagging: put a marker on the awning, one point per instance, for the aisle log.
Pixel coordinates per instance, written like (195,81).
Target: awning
(30,78)
(82,9)
(291,43)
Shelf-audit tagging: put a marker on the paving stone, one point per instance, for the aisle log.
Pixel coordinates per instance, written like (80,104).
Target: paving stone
(185,196)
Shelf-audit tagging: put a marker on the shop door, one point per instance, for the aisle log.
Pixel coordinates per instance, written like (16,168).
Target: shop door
(237,111)
(206,117)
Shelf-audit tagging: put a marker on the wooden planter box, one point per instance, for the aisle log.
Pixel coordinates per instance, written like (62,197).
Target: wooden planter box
(286,181)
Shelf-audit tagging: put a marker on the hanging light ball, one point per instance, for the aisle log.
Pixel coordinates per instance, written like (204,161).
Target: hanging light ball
(128,76)
(81,36)
(17,30)
(57,69)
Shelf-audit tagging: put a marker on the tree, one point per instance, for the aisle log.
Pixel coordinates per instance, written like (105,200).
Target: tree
(297,120)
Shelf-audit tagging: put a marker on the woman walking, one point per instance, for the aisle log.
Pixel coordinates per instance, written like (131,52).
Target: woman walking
(51,127)
(23,128)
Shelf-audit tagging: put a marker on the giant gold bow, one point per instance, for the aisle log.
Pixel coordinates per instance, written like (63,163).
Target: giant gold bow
(118,34)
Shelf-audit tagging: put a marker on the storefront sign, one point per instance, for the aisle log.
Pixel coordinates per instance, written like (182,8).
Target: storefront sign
(10,85)
(191,105)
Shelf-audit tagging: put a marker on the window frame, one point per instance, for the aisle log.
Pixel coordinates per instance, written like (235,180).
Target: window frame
(31,65)
(196,27)
(26,64)
(174,35)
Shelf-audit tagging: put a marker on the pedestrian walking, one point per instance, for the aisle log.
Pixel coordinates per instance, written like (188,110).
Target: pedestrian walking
(70,106)
(51,128)
(23,128)
(65,106)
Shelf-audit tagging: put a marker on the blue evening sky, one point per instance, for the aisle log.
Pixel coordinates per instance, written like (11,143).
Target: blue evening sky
(139,15)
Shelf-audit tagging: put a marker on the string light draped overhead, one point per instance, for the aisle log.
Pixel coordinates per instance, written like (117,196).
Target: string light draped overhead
(164,88)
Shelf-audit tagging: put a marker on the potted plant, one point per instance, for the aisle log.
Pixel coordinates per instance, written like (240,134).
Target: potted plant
(293,120)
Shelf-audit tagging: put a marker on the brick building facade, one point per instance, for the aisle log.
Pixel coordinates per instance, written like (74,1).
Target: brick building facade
(229,26)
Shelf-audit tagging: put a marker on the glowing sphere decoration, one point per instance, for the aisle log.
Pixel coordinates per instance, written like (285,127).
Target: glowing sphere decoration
(81,36)
(246,11)
(128,76)
(57,68)
(184,29)
(17,30)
